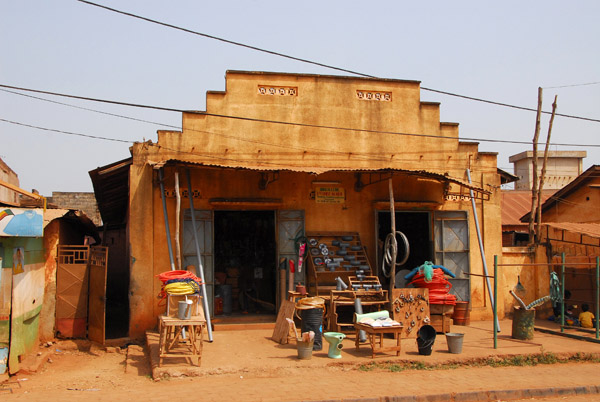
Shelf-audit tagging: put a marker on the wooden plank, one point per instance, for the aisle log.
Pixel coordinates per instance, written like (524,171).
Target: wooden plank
(280,333)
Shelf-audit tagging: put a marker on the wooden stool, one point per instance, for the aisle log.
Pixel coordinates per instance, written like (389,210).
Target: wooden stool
(376,338)
(172,343)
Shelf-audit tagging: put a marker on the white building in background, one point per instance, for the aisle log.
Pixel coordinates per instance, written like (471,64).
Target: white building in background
(561,169)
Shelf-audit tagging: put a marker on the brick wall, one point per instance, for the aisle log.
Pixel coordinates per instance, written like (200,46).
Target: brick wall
(85,202)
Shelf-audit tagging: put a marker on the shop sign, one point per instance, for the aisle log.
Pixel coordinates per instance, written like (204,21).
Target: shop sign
(330,195)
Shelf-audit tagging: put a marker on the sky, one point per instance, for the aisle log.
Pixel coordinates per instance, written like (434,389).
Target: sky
(500,51)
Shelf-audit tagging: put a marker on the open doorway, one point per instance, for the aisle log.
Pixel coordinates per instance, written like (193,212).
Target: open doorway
(416,226)
(245,262)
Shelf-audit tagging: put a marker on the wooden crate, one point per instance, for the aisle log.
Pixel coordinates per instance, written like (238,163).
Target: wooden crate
(447,309)
(441,323)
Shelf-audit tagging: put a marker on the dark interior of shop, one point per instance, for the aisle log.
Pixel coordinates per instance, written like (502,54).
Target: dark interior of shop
(416,226)
(245,261)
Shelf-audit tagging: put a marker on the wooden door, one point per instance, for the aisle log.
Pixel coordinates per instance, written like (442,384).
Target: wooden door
(72,291)
(97,294)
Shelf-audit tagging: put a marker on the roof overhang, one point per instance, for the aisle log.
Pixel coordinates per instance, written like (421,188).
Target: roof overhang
(588,229)
(375,175)
(111,188)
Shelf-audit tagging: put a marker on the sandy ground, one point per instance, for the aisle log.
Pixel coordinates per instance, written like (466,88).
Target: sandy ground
(248,366)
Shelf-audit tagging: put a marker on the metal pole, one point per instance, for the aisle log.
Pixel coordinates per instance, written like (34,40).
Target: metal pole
(496,326)
(597,296)
(164,204)
(481,249)
(199,267)
(394,249)
(562,283)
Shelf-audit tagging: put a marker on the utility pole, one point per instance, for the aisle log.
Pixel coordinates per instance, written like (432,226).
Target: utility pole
(543,174)
(534,181)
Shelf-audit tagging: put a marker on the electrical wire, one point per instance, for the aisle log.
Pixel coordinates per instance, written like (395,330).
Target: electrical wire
(65,132)
(302,60)
(283,122)
(573,85)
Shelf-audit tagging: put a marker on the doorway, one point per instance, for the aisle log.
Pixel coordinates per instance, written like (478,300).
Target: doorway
(416,226)
(245,262)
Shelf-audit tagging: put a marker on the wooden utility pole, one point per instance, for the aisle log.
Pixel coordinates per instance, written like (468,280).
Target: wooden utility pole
(543,174)
(534,181)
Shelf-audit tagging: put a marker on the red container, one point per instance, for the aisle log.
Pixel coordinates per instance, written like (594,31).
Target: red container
(218,305)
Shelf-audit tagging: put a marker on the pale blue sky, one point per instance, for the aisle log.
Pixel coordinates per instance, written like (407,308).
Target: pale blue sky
(500,51)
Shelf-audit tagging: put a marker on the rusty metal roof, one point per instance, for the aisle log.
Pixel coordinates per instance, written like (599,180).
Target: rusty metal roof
(588,229)
(111,188)
(321,170)
(516,203)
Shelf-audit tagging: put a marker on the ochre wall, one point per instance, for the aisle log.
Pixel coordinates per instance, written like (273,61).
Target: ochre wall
(583,205)
(298,150)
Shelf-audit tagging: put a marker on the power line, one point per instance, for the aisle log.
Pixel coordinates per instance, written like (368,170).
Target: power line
(64,132)
(258,49)
(574,85)
(91,110)
(284,122)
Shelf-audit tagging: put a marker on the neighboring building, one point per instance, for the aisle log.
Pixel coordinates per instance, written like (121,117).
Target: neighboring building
(30,231)
(7,175)
(571,226)
(85,202)
(578,202)
(562,167)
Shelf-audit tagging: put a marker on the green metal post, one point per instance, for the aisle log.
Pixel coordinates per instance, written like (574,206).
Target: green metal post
(562,291)
(495,302)
(597,296)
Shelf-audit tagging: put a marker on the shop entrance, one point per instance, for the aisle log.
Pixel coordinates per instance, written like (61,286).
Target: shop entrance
(416,226)
(245,262)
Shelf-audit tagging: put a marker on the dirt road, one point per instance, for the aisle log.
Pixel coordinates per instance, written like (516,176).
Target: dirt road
(97,375)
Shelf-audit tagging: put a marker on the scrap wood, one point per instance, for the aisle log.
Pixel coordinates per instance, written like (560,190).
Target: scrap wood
(282,327)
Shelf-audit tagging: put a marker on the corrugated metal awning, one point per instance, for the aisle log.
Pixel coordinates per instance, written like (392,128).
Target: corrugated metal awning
(480,192)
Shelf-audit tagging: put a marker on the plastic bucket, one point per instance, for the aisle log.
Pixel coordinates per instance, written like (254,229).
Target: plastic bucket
(304,349)
(523,323)
(184,310)
(455,342)
(425,339)
(312,320)
(461,314)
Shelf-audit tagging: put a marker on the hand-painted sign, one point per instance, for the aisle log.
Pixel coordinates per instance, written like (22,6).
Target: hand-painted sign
(330,195)
(20,222)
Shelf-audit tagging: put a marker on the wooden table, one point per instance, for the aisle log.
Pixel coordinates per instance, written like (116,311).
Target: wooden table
(376,338)
(172,342)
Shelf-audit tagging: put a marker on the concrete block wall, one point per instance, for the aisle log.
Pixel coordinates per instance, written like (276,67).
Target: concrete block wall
(85,202)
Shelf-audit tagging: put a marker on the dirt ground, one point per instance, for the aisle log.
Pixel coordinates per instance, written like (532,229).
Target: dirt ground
(249,366)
